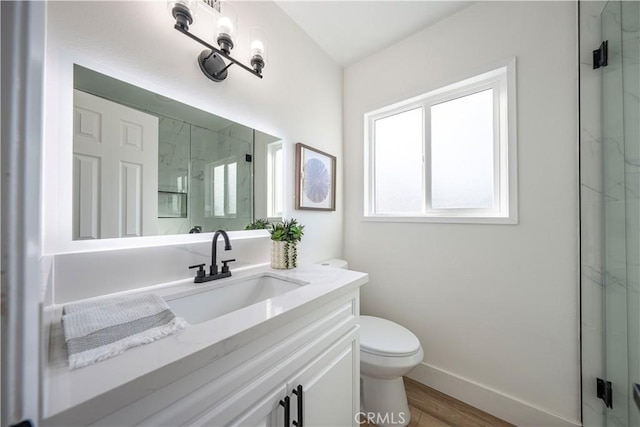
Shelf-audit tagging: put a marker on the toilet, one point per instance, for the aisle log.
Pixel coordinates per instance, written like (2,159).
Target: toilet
(388,351)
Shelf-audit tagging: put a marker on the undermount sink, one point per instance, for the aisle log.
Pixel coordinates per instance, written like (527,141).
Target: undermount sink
(207,304)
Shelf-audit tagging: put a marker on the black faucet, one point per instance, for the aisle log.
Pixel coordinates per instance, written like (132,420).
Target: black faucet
(201,275)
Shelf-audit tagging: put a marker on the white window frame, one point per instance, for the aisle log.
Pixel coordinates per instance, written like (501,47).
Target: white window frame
(502,79)
(274,212)
(210,196)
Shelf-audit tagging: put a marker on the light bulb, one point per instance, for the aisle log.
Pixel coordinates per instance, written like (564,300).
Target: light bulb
(257,48)
(184,12)
(225,26)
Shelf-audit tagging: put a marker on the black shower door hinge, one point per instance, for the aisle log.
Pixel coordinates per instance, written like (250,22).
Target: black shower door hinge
(604,392)
(23,423)
(601,55)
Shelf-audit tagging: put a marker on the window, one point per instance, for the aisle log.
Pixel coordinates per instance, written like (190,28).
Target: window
(445,156)
(275,186)
(221,188)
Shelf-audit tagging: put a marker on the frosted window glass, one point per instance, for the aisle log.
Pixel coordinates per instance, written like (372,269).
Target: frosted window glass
(231,187)
(218,191)
(462,153)
(279,187)
(275,187)
(398,163)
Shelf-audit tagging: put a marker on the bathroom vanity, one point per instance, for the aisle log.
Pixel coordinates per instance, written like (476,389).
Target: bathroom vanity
(291,357)
(238,364)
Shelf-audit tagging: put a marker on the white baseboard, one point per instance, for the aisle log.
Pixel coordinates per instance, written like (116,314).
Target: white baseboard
(491,401)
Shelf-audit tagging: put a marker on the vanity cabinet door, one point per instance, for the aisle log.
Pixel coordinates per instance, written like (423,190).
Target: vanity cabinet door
(267,412)
(330,386)
(330,391)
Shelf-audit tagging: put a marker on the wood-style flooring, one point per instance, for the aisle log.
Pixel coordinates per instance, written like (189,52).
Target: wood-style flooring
(431,408)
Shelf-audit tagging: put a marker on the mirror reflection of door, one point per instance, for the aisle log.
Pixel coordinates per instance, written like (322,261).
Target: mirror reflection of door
(115,169)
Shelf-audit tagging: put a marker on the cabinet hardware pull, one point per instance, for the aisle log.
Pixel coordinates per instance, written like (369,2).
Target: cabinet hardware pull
(286,403)
(298,392)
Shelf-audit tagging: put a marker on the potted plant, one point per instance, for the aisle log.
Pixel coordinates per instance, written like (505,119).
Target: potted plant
(258,224)
(284,238)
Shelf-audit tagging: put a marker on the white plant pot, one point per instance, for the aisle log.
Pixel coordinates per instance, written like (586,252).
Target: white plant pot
(283,255)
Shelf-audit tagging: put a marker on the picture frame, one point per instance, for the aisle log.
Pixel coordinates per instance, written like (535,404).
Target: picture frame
(315,179)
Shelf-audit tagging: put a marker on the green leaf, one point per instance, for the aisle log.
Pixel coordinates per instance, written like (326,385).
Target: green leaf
(287,231)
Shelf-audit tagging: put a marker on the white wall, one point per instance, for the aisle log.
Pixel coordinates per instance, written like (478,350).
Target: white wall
(299,100)
(21,353)
(496,307)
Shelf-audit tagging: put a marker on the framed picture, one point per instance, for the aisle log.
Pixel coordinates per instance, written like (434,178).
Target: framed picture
(315,179)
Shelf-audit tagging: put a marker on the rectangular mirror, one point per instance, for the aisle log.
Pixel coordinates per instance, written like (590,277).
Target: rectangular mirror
(146,165)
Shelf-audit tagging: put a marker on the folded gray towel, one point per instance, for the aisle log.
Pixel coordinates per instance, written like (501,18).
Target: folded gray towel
(95,331)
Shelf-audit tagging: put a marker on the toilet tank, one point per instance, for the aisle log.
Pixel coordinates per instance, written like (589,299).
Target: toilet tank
(335,262)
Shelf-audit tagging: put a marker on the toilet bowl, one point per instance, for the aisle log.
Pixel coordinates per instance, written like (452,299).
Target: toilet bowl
(387,352)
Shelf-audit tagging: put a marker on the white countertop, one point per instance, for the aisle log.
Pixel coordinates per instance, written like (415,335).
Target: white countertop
(65,389)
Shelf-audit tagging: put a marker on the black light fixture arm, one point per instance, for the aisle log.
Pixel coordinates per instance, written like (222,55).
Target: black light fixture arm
(227,66)
(218,52)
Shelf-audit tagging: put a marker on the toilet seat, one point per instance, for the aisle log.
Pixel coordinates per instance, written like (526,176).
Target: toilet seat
(383,337)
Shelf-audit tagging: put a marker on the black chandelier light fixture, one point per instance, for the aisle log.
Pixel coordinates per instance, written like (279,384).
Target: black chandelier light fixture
(212,59)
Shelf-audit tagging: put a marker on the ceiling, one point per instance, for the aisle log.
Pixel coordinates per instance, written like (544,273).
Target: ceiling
(351,30)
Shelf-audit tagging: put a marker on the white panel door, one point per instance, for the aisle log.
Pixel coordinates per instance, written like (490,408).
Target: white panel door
(115,169)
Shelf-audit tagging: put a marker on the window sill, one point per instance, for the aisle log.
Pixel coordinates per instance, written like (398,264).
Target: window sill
(442,219)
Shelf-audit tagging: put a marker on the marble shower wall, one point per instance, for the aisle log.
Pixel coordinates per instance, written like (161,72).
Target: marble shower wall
(591,213)
(204,146)
(173,155)
(631,105)
(187,156)
(209,149)
(610,211)
(238,140)
(614,250)
(629,295)
(621,151)
(173,169)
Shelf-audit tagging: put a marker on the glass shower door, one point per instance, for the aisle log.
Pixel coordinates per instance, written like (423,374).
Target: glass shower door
(621,171)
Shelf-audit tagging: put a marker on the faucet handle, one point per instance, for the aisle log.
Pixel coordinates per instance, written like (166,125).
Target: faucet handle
(225,267)
(200,267)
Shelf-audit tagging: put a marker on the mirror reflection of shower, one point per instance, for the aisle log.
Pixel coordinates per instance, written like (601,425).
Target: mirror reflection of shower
(148,165)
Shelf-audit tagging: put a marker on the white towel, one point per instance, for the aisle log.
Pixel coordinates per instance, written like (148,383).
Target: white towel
(94,331)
